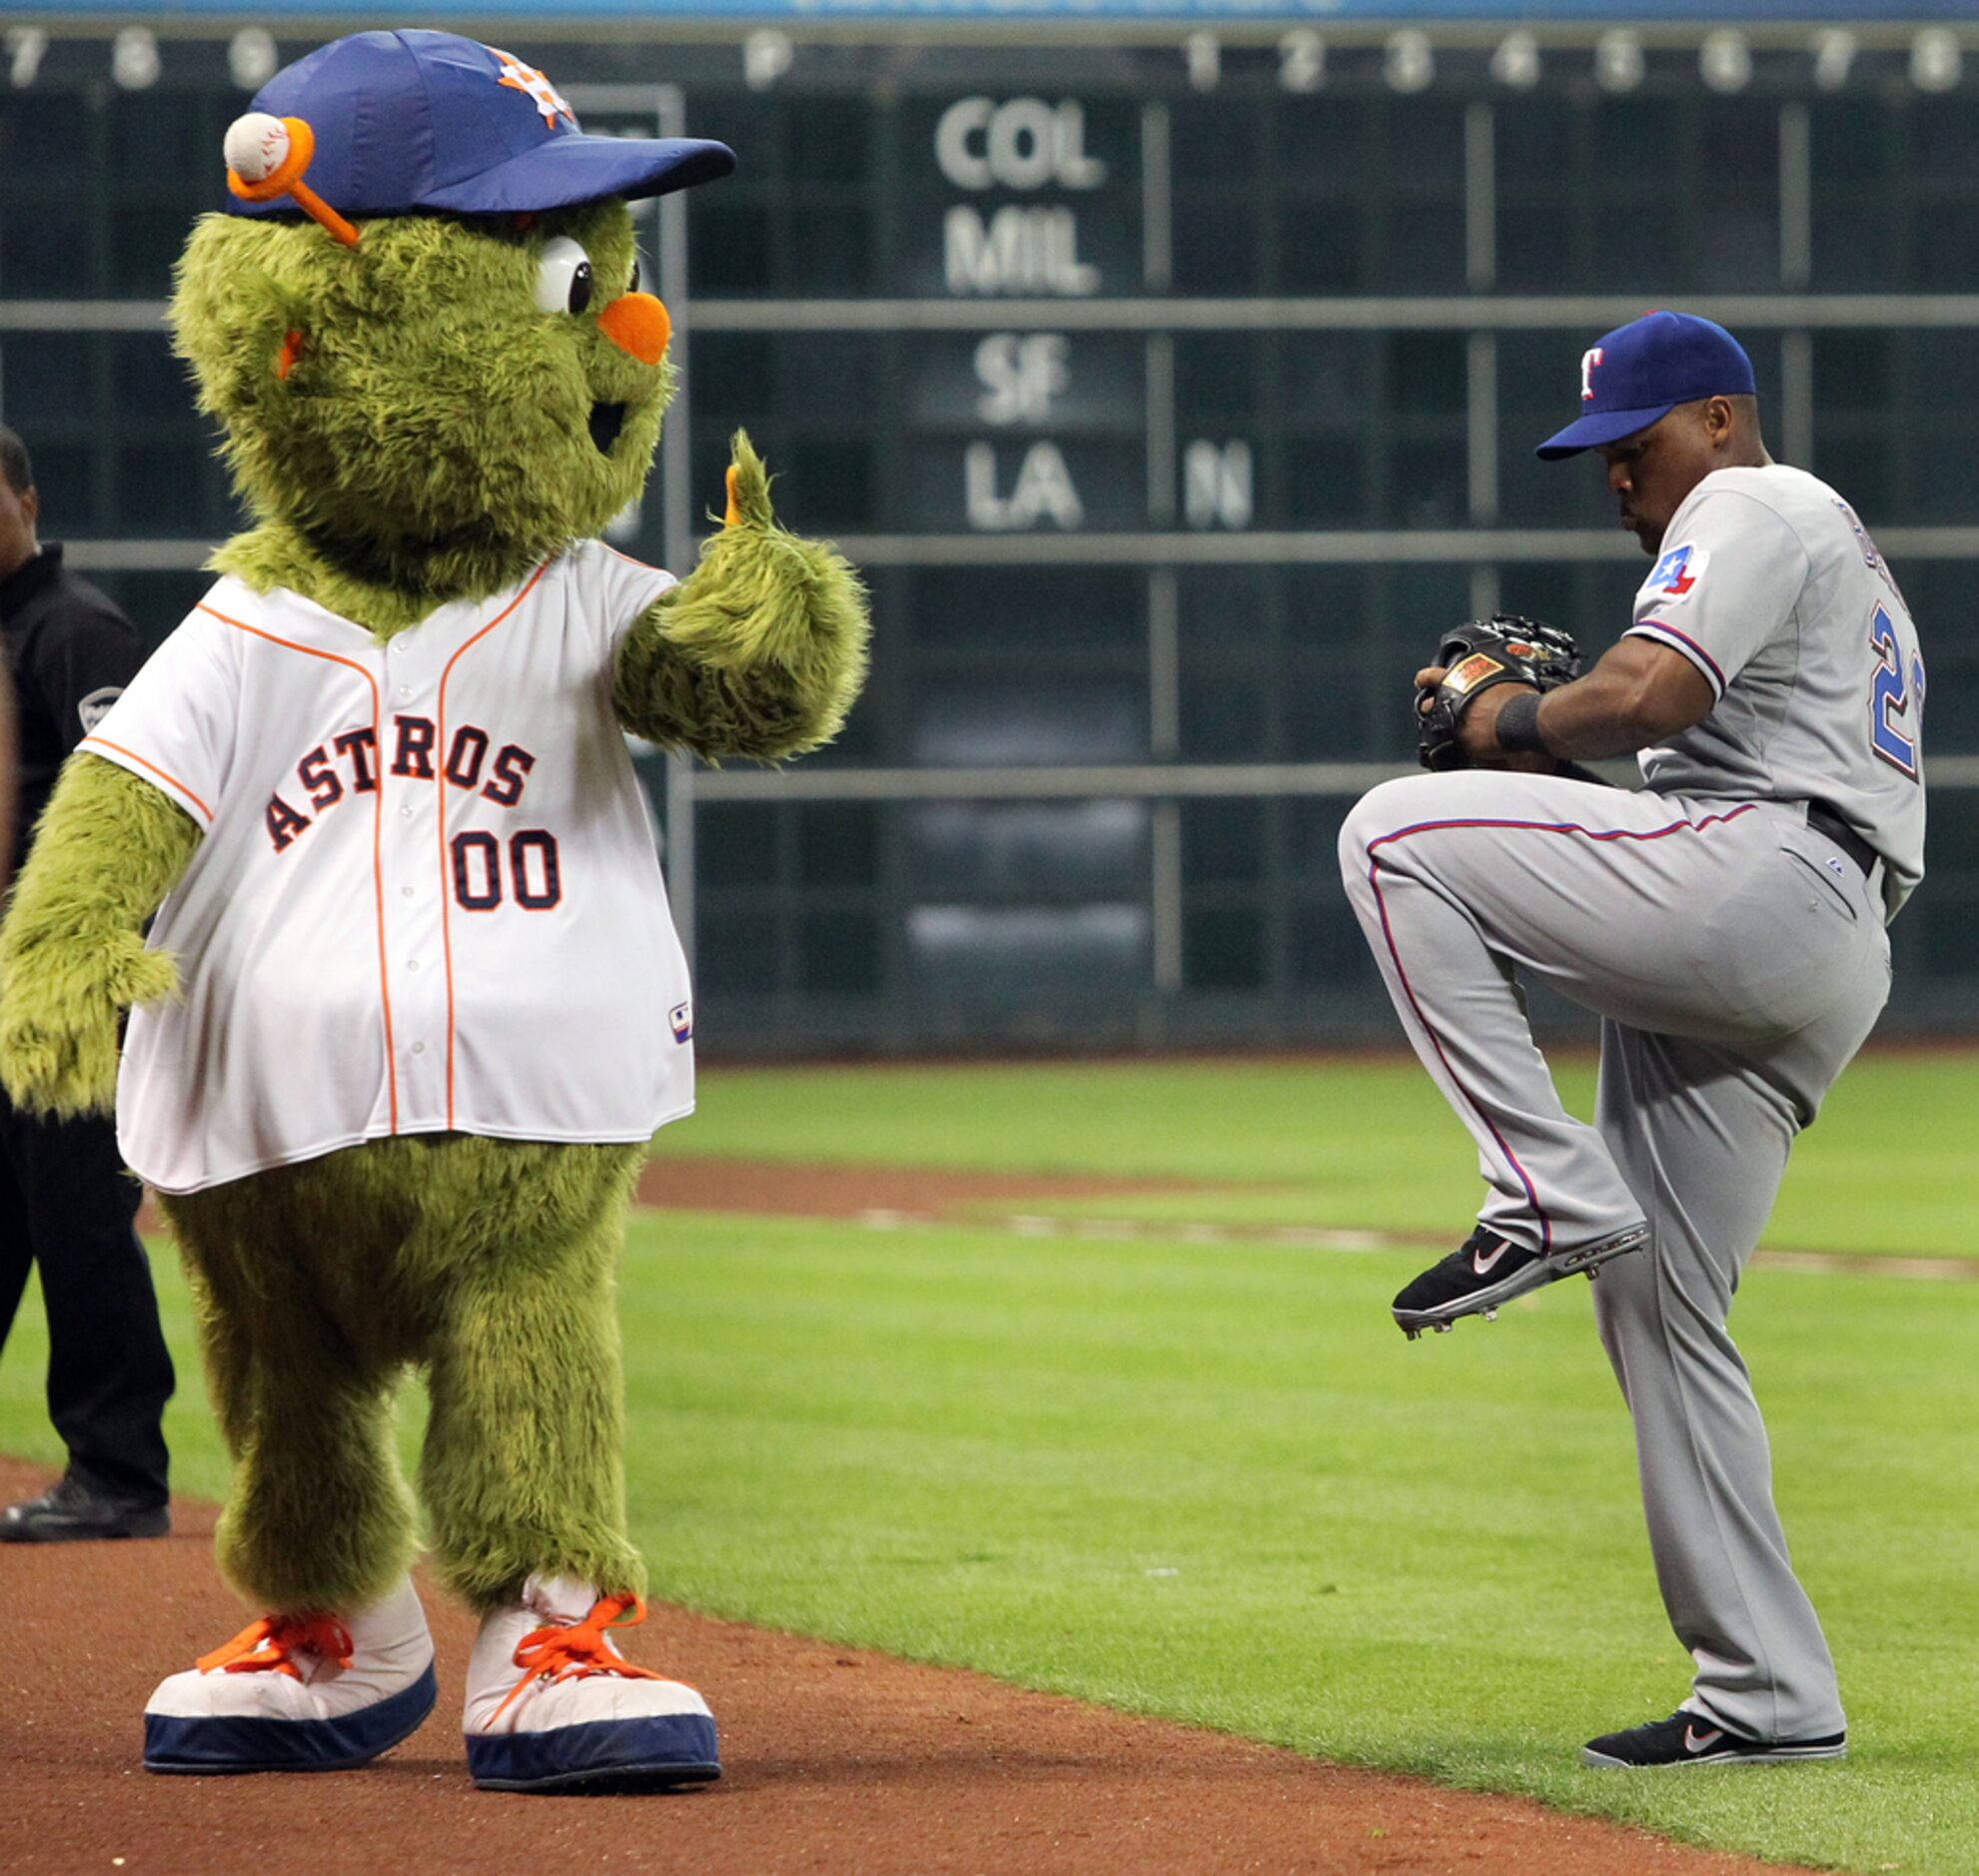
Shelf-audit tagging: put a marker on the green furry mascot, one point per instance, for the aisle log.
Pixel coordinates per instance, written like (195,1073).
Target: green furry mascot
(413,1003)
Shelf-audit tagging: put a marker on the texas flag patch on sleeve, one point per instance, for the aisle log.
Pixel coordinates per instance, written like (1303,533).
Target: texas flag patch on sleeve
(1675,577)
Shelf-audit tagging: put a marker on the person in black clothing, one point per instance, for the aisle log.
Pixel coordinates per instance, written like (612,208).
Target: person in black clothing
(66,1201)
(10,770)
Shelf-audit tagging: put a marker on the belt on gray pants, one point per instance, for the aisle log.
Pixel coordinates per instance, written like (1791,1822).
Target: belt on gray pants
(1823,819)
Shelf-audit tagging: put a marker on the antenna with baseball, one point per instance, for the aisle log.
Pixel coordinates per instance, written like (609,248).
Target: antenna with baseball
(266,157)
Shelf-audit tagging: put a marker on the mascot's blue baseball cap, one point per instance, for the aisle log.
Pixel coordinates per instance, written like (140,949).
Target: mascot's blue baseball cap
(417,123)
(1642,371)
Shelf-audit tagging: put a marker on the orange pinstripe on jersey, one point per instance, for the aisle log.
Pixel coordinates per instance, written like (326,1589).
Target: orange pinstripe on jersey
(440,788)
(162,774)
(377,832)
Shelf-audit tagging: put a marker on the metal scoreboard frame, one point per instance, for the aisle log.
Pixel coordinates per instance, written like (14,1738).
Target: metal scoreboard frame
(1037,308)
(1027,15)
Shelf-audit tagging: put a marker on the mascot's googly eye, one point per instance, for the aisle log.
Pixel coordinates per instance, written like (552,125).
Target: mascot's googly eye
(563,277)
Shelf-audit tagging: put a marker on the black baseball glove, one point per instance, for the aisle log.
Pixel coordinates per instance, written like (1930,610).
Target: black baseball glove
(1501,650)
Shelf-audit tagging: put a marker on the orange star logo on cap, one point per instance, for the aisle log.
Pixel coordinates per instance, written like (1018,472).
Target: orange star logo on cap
(525,78)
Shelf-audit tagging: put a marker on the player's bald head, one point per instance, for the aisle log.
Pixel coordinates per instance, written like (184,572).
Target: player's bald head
(15,468)
(20,505)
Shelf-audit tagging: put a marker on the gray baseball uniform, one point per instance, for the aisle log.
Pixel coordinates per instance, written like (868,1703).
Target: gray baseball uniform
(1737,956)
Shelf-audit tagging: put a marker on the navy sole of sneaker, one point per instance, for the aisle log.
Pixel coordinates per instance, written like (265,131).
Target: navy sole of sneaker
(1489,1301)
(616,1781)
(1754,1755)
(602,1757)
(221,1746)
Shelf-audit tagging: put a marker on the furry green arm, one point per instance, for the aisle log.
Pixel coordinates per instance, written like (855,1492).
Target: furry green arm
(760,653)
(108,849)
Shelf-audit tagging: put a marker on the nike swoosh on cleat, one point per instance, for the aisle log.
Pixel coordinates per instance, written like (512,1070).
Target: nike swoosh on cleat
(1482,1265)
(1692,1743)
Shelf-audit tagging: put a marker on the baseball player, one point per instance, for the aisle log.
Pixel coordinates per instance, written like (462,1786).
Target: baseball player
(1727,922)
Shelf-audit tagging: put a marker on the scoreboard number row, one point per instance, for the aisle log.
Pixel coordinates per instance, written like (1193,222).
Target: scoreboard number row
(1409,59)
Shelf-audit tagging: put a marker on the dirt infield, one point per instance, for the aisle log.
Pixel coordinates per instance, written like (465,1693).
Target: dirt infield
(824,1189)
(837,1759)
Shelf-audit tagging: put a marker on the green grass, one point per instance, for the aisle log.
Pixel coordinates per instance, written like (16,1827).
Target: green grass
(1892,1165)
(1212,1482)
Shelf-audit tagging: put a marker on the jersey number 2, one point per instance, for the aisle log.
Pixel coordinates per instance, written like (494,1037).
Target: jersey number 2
(1891,699)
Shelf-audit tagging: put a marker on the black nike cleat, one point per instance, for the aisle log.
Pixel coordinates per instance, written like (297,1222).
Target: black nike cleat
(1690,1739)
(1491,1269)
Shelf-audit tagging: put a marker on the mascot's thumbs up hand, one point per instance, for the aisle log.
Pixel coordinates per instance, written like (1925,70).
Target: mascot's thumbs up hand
(72,953)
(748,485)
(760,651)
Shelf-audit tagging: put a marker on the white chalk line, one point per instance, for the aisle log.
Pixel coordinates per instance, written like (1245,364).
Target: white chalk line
(1203,1233)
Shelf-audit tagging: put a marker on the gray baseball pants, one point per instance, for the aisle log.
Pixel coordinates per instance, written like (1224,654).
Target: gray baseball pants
(1737,960)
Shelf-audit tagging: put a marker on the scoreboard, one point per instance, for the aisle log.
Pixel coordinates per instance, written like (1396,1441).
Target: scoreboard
(1173,383)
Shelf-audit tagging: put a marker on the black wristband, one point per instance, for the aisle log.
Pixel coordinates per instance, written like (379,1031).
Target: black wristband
(1518,725)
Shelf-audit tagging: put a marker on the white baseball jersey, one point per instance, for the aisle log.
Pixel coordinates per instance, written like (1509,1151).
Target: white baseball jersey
(1770,587)
(427,897)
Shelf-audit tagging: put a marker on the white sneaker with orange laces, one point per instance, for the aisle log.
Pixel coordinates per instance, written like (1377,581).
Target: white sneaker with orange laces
(298,1694)
(580,1715)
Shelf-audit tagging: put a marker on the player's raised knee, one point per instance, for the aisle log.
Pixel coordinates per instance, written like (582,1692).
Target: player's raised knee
(1379,812)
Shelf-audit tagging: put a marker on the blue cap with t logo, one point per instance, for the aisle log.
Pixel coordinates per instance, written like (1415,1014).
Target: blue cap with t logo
(1642,371)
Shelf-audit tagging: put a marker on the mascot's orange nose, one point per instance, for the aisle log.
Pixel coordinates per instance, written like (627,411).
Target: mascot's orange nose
(637,323)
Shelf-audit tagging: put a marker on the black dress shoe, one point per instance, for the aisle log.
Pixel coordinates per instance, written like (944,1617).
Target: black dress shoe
(70,1511)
